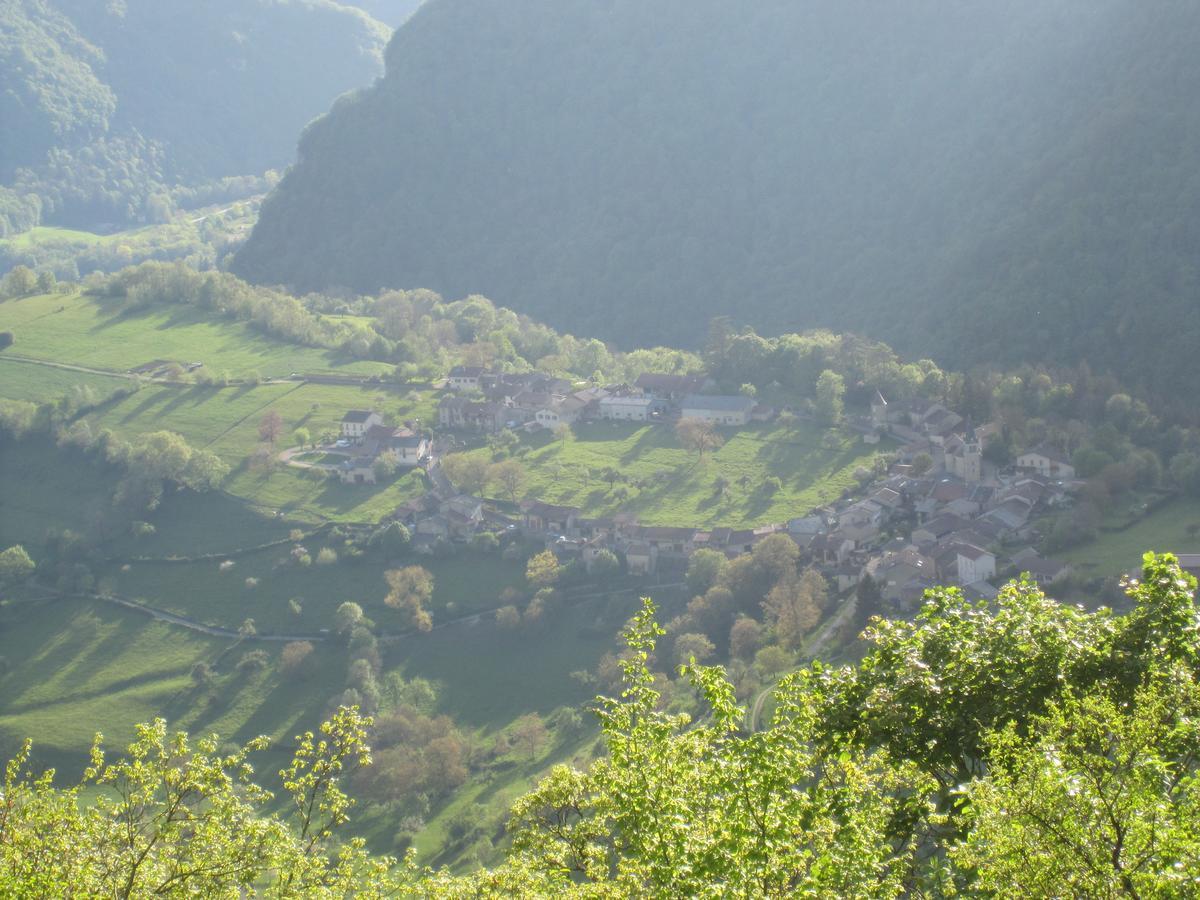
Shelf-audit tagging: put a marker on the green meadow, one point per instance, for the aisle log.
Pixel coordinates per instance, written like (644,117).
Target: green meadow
(208,593)
(88,331)
(1115,552)
(38,383)
(666,484)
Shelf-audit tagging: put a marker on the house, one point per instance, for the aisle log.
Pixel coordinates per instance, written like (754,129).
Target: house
(833,549)
(410,449)
(1010,516)
(717,409)
(847,575)
(1047,461)
(465,378)
(545,518)
(678,543)
(358,470)
(672,388)
(484,416)
(560,412)
(937,528)
(974,564)
(902,575)
(640,558)
(628,409)
(357,422)
(463,514)
(1043,570)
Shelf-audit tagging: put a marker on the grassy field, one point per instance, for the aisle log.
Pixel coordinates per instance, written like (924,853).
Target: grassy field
(81,330)
(1115,552)
(668,485)
(39,383)
(77,667)
(42,487)
(202,591)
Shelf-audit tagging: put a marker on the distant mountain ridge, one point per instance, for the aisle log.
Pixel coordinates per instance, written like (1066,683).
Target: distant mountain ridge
(983,182)
(104,102)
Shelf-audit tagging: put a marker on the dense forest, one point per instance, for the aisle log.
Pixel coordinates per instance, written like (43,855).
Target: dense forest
(1006,183)
(108,109)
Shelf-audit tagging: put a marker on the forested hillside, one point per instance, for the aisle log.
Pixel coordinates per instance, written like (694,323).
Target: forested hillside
(1004,182)
(105,105)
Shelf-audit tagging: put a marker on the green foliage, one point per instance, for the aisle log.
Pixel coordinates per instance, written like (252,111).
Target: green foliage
(1036,749)
(88,139)
(1003,257)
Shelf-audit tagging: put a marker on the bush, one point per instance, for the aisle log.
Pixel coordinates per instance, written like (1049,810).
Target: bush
(294,655)
(327,557)
(6,339)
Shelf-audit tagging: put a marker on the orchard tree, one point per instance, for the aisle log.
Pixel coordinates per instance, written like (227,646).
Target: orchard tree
(698,435)
(270,427)
(542,570)
(15,565)
(410,589)
(468,472)
(510,475)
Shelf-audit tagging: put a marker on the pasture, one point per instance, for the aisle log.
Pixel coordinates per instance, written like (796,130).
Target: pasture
(88,331)
(665,484)
(204,592)
(41,383)
(1115,552)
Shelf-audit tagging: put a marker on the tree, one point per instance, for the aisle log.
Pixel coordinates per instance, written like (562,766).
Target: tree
(542,570)
(391,539)
(605,564)
(508,617)
(19,282)
(302,437)
(386,465)
(745,637)
(270,427)
(562,431)
(6,339)
(294,655)
(1102,796)
(347,616)
(921,464)
(511,476)
(705,569)
(692,648)
(529,734)
(15,565)
(698,435)
(793,607)
(410,589)
(830,390)
(468,472)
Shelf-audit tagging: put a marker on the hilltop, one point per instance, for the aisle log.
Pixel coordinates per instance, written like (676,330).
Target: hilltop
(992,184)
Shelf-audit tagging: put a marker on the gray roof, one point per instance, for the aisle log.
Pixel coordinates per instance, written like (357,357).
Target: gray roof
(719,403)
(357,415)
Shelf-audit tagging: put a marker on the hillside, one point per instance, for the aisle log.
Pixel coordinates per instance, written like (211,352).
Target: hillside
(114,102)
(980,183)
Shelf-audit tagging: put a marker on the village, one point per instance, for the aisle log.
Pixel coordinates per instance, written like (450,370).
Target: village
(938,513)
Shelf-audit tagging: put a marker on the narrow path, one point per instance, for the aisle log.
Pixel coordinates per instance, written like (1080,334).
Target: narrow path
(812,651)
(69,367)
